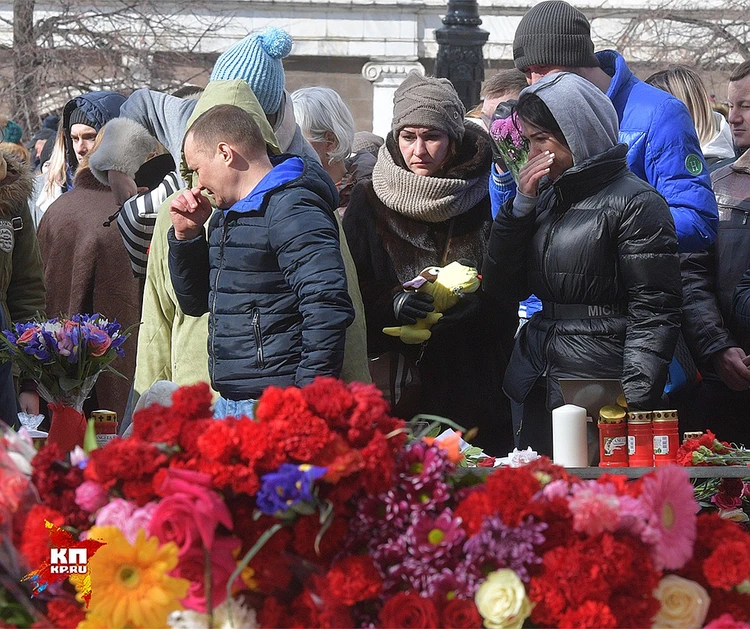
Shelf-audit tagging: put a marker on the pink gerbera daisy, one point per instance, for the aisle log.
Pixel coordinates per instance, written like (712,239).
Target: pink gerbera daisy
(671,524)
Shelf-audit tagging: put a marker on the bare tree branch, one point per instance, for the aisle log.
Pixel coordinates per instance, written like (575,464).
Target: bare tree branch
(102,44)
(671,31)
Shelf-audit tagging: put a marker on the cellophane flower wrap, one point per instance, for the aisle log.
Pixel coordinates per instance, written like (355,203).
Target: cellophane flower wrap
(506,134)
(64,355)
(322,514)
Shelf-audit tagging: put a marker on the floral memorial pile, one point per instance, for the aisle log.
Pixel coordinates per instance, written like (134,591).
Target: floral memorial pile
(326,512)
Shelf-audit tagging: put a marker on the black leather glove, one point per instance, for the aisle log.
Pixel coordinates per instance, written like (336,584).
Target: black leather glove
(467,308)
(408,307)
(503,110)
(460,319)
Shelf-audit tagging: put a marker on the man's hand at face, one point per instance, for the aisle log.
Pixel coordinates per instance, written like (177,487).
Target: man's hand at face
(189,211)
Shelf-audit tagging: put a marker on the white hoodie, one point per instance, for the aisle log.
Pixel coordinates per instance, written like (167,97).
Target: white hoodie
(721,145)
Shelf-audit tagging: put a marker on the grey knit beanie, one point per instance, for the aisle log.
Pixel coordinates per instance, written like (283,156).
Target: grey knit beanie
(554,33)
(424,101)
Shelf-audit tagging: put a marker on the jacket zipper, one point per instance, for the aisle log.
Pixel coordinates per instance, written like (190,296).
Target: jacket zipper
(213,306)
(258,339)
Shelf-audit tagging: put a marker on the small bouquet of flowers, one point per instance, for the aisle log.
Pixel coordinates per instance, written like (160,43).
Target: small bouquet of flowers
(65,357)
(708,450)
(509,143)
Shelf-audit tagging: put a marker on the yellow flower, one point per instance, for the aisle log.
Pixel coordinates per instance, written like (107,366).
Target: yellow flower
(130,586)
(502,600)
(684,603)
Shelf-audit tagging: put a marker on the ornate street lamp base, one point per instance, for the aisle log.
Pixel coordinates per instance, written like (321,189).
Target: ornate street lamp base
(459,57)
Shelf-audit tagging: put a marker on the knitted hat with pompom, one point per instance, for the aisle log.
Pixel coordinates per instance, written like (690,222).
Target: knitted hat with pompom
(257,60)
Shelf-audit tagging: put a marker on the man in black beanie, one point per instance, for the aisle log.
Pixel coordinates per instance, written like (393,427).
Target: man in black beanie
(663,150)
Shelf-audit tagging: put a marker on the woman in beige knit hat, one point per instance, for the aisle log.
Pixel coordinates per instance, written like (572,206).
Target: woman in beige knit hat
(427,205)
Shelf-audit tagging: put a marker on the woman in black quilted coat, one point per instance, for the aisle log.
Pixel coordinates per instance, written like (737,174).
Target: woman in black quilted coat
(597,245)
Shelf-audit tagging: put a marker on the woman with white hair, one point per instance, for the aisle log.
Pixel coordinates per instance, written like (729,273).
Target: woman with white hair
(328,126)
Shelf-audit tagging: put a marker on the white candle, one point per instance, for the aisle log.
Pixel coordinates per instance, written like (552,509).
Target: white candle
(569,442)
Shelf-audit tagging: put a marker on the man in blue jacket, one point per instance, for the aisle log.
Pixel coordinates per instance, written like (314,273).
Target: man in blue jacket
(270,273)
(663,147)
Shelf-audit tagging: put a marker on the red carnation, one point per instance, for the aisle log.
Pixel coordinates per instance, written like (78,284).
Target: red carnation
(157,424)
(379,465)
(728,565)
(301,439)
(129,462)
(280,404)
(193,402)
(56,482)
(330,399)
(473,509)
(370,413)
(590,615)
(339,458)
(35,541)
(461,613)
(509,491)
(221,442)
(62,614)
(713,536)
(408,610)
(354,579)
(189,435)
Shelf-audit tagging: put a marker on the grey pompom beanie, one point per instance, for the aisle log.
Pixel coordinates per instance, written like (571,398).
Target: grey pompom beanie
(424,101)
(554,33)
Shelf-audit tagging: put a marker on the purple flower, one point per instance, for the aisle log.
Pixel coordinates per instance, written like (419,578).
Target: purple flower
(500,546)
(514,148)
(433,539)
(431,547)
(288,490)
(422,465)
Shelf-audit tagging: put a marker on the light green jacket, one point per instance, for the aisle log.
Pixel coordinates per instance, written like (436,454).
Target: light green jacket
(173,346)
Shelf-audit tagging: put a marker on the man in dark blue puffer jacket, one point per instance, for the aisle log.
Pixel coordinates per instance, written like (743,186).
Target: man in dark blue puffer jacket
(270,273)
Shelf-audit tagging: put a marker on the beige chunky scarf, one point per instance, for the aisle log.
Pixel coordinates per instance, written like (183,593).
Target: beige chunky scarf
(427,199)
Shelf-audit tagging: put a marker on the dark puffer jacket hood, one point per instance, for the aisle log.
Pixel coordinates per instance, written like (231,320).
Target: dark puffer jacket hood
(99,107)
(586,116)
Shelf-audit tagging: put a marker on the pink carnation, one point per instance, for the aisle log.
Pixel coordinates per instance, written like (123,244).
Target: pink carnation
(595,508)
(91,496)
(116,513)
(556,489)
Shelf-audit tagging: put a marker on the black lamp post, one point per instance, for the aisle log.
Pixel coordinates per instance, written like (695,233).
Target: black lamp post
(459,56)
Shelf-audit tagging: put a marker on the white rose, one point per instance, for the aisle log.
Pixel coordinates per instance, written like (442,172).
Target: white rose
(684,604)
(502,601)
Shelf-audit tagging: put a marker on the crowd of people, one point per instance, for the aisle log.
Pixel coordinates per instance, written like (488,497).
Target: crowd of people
(260,240)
